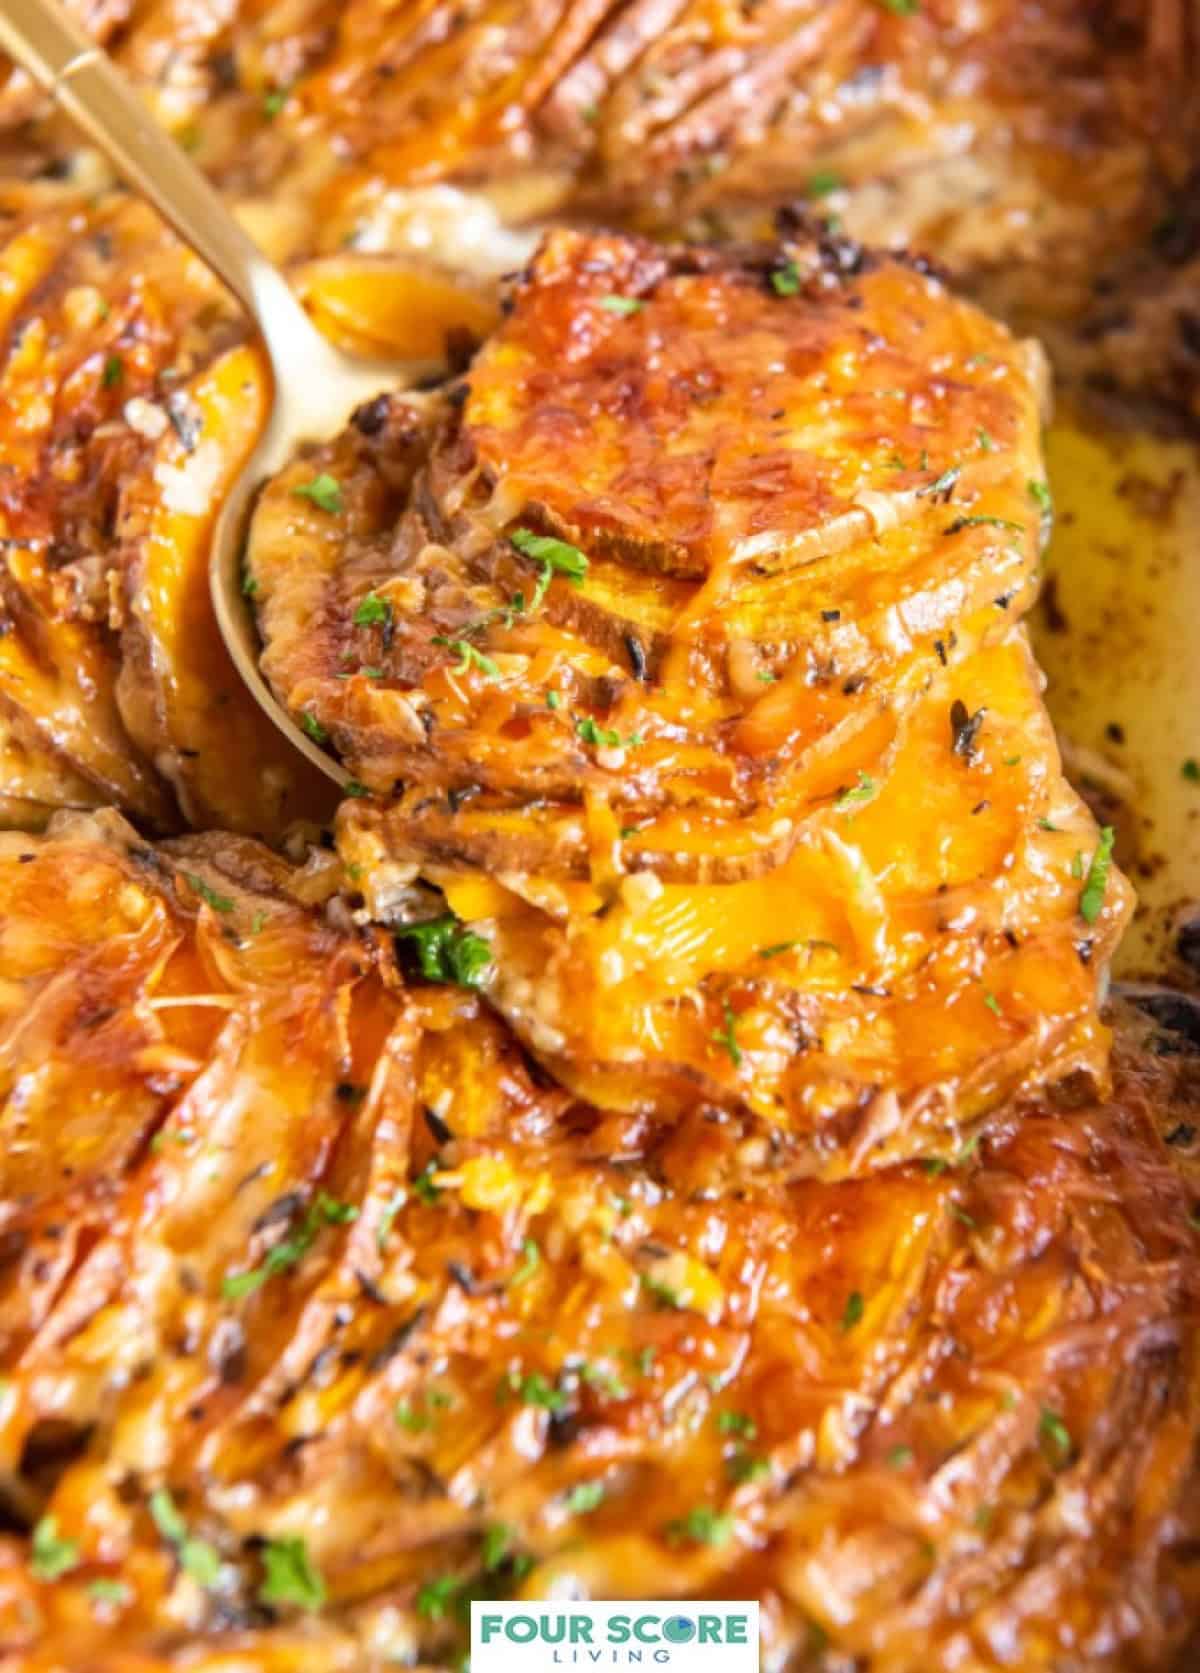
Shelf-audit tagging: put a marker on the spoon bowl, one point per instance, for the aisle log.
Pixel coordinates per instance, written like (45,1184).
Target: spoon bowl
(315,386)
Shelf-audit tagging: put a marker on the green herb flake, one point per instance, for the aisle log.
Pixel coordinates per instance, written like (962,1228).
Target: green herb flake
(737,1423)
(469,657)
(531,1259)
(447,951)
(727,1036)
(249,585)
(497,1543)
(862,792)
(744,1466)
(290,1576)
(407,1418)
(114,371)
(310,724)
(535,1390)
(1047,825)
(853,1311)
(210,897)
(986,444)
(553,700)
(702,1525)
(436,1596)
(274,101)
(785,281)
(622,304)
(992,1003)
(585,1496)
(353,787)
(1091,897)
(1190,770)
(595,1376)
(561,557)
(822,183)
(324,491)
(52,1555)
(901,8)
(373,611)
(200,1561)
(662,1293)
(1039,493)
(290,1251)
(1077,864)
(423,1187)
(115,1592)
(900,1457)
(960,1214)
(1054,1435)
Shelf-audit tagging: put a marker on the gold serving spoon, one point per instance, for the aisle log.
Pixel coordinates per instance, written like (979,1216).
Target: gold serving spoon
(316,387)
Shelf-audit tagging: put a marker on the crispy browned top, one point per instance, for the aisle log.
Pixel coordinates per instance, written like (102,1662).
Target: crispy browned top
(291,1256)
(691,800)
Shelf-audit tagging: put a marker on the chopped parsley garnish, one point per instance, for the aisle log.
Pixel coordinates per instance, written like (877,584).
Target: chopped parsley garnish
(737,1423)
(1055,1436)
(352,787)
(584,1496)
(447,951)
(901,8)
(777,947)
(1047,825)
(702,1525)
(900,1457)
(274,101)
(559,555)
(324,491)
(423,1186)
(862,792)
(290,1251)
(469,657)
(114,371)
(853,1311)
(986,444)
(785,281)
(109,1591)
(604,737)
(497,1543)
(727,1036)
(553,700)
(52,1555)
(373,611)
(960,1213)
(622,304)
(534,1390)
(743,1467)
(595,1376)
(436,1596)
(942,486)
(210,897)
(407,1418)
(249,585)
(820,184)
(197,1558)
(1077,864)
(1191,770)
(992,1003)
(1091,897)
(313,727)
(1039,493)
(290,1575)
(531,1259)
(662,1292)
(983,522)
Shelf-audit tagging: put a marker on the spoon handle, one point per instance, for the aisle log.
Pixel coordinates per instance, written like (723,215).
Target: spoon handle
(51,47)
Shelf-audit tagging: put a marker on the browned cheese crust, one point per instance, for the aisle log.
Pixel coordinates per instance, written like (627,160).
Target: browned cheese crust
(748,782)
(291,1255)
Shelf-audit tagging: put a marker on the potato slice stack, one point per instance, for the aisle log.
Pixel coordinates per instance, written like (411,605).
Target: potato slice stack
(680,646)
